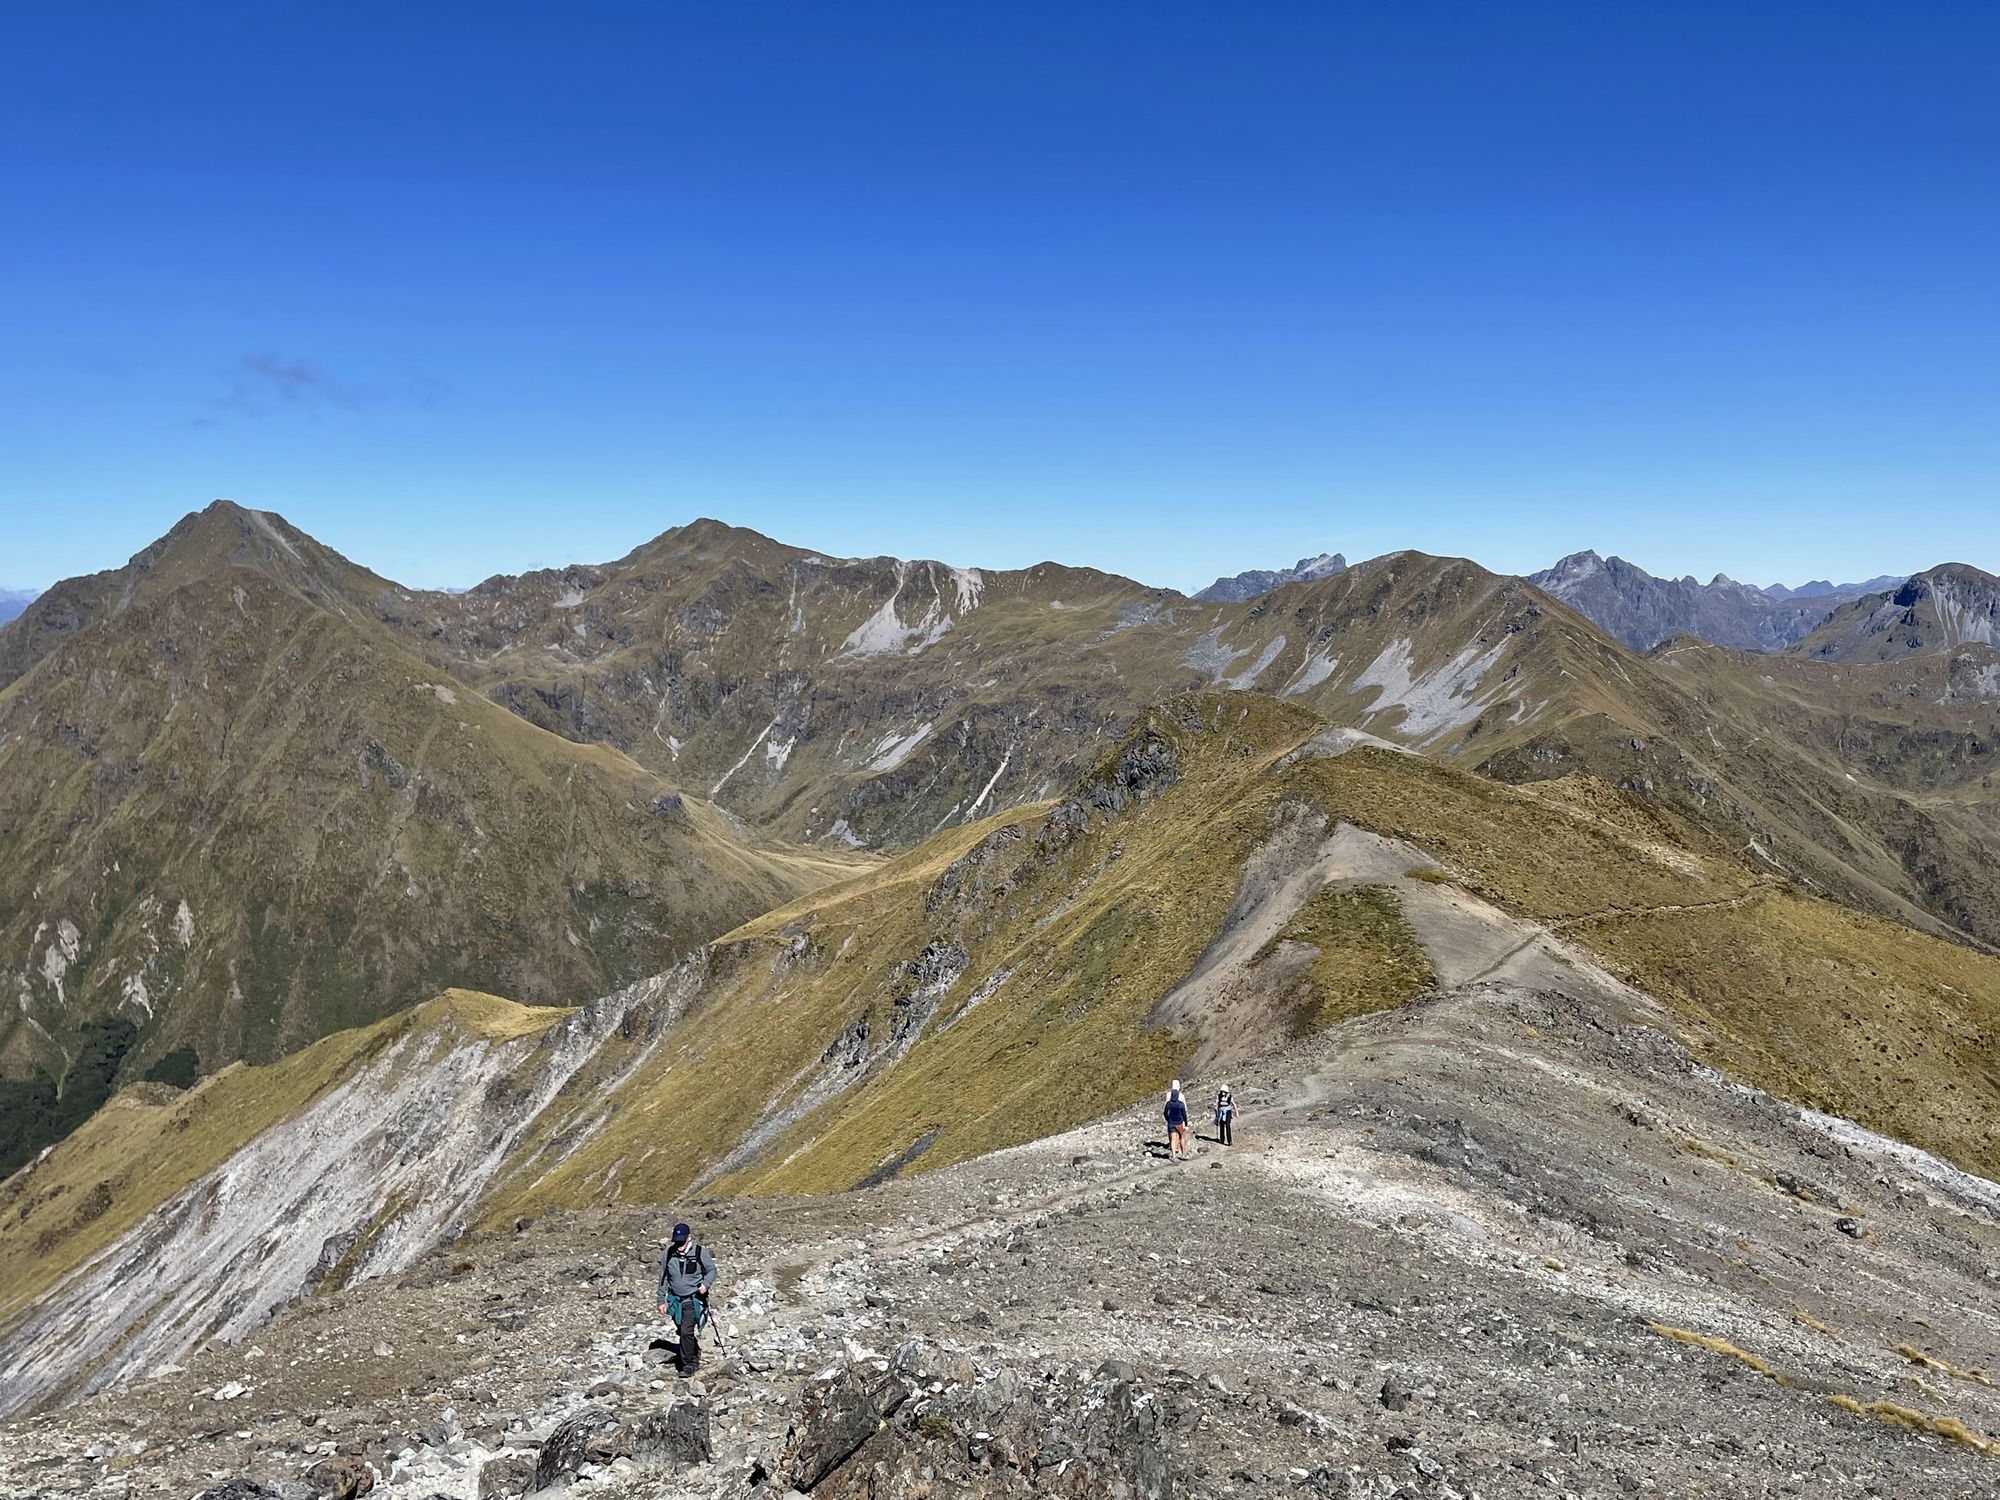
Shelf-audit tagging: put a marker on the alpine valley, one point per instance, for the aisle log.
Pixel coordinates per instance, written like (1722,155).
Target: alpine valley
(1613,1010)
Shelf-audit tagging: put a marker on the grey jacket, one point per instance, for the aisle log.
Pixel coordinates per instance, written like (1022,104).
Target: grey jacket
(681,1271)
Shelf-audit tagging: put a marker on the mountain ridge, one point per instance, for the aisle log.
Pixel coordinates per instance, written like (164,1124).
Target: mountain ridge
(1642,610)
(783,709)
(237,813)
(1234,877)
(1248,585)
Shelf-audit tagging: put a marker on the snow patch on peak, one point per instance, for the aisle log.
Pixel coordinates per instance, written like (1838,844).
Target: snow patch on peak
(184,924)
(969,584)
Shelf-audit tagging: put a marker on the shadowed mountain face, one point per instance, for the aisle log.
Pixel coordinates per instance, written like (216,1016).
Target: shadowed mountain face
(1262,580)
(1953,608)
(1641,611)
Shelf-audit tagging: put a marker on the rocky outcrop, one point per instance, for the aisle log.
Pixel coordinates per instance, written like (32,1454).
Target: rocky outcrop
(1949,608)
(933,1422)
(1249,585)
(592,1436)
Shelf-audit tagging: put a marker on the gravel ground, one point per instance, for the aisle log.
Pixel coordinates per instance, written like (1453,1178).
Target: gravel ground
(1471,1248)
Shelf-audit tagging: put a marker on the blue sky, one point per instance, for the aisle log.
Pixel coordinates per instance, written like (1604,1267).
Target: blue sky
(1171,289)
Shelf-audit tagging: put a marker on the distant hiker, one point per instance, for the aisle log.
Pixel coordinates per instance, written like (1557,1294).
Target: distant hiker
(1177,1122)
(687,1281)
(1225,1112)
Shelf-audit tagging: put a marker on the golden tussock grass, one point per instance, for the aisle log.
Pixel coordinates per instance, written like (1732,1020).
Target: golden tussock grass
(1949,1428)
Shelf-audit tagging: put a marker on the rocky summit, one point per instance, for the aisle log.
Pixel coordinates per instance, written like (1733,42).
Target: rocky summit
(1642,611)
(1611,1034)
(1257,581)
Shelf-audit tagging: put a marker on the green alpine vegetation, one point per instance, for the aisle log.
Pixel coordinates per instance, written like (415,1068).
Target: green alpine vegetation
(252,793)
(237,815)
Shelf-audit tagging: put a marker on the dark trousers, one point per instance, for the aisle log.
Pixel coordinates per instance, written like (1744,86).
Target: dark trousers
(688,1319)
(1222,1130)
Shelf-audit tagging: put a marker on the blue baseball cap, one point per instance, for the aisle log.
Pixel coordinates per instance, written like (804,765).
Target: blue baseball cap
(681,1232)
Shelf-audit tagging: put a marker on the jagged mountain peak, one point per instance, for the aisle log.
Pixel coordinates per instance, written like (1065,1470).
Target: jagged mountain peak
(1242,586)
(1643,610)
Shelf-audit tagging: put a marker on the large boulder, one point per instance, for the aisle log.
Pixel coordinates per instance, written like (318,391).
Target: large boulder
(837,1419)
(673,1439)
(591,1435)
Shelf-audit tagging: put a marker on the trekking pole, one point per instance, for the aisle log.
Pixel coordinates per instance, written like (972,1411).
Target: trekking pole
(708,1322)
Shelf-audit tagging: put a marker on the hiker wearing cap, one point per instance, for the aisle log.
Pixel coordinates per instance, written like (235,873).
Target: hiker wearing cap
(1177,1122)
(1225,1114)
(687,1281)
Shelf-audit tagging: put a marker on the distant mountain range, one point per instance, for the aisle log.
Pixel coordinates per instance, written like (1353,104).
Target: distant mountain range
(1632,605)
(13,601)
(1262,580)
(1642,611)
(1819,588)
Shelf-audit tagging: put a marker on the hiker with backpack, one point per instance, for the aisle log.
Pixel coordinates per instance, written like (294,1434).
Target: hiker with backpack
(1225,1114)
(1177,1124)
(687,1282)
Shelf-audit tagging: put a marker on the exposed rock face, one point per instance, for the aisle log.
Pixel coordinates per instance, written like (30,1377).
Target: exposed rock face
(839,1417)
(592,1436)
(868,1435)
(1502,1241)
(1945,610)
(1641,611)
(1262,580)
(674,1439)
